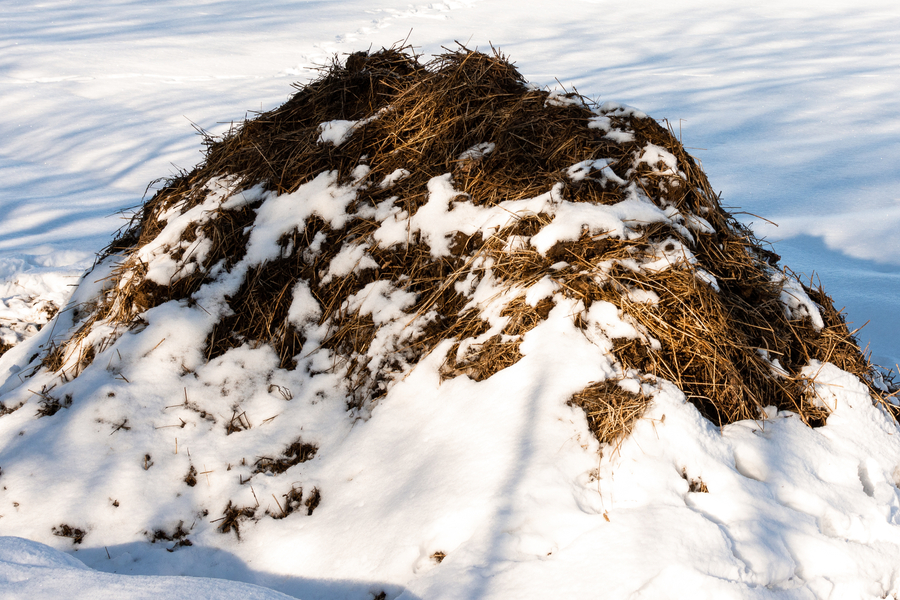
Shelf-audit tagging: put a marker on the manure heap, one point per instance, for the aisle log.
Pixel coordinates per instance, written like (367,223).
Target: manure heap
(397,333)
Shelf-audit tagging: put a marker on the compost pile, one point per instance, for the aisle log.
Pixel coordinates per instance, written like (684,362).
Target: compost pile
(391,205)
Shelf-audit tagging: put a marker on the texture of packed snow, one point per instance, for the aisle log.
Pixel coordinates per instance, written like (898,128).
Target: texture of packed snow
(791,107)
(339,131)
(320,197)
(582,170)
(478,151)
(797,303)
(38,572)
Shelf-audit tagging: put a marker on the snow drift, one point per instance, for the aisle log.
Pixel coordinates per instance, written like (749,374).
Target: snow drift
(389,322)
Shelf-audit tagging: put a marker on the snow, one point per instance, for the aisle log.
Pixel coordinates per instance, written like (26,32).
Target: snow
(393,178)
(339,131)
(580,171)
(478,151)
(321,197)
(791,107)
(350,258)
(797,302)
(614,220)
(38,572)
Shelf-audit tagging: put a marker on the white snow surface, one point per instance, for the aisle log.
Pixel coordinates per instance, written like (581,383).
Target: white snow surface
(38,572)
(791,106)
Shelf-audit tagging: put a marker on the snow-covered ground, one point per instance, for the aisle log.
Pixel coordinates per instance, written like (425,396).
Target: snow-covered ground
(791,106)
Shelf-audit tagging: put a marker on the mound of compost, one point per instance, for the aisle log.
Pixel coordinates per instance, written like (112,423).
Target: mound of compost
(391,205)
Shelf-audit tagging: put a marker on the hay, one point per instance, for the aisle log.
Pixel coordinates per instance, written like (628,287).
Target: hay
(718,327)
(178,535)
(232,518)
(610,409)
(294,454)
(67,531)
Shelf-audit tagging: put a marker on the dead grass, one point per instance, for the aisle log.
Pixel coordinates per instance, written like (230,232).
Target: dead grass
(6,410)
(296,453)
(611,411)
(50,405)
(67,531)
(293,502)
(709,342)
(233,516)
(178,535)
(191,477)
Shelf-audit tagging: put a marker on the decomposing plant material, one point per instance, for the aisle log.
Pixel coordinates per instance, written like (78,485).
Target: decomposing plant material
(452,193)
(293,501)
(178,535)
(6,410)
(191,478)
(313,501)
(695,485)
(239,422)
(610,409)
(50,405)
(74,533)
(233,516)
(296,453)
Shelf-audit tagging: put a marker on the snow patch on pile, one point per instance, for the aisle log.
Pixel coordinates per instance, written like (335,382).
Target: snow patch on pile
(31,294)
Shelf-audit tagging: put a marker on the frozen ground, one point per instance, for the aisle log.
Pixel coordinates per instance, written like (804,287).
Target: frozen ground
(791,106)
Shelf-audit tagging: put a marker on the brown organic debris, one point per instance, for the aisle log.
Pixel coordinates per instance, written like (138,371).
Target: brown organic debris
(233,516)
(611,410)
(296,453)
(50,405)
(695,485)
(178,535)
(6,410)
(293,502)
(716,327)
(74,533)
(191,478)
(313,501)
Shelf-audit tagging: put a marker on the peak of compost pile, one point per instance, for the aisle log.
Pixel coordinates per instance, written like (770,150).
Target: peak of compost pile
(391,205)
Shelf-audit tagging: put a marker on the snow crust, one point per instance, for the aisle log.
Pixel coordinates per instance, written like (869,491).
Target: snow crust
(38,572)
(339,131)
